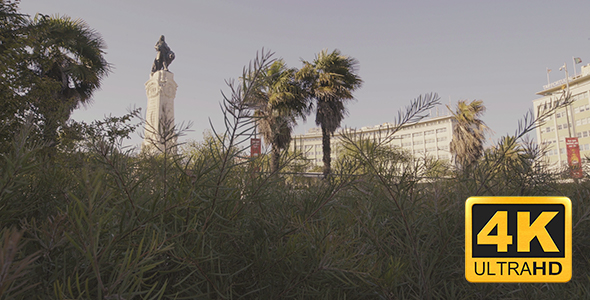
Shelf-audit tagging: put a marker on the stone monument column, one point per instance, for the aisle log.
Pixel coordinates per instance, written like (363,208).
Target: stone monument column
(159,125)
(161,91)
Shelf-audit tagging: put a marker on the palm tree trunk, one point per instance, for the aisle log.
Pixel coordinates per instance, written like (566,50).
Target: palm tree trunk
(52,118)
(274,158)
(326,151)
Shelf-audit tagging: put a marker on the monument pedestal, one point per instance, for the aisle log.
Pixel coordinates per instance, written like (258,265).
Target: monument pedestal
(159,125)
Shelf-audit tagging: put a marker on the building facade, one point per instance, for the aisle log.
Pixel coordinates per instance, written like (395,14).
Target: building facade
(571,121)
(430,137)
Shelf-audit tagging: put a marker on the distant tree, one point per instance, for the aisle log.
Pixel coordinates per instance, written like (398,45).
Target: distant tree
(67,56)
(279,99)
(330,79)
(469,132)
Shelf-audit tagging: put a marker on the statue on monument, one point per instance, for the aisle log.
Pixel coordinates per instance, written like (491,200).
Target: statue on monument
(164,56)
(160,91)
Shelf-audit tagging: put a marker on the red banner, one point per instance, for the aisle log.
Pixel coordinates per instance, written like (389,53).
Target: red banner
(573,158)
(254,147)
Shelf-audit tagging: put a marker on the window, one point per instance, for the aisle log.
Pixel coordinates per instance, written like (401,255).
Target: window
(430,149)
(586,146)
(584,121)
(441,139)
(576,110)
(417,134)
(582,108)
(441,130)
(579,134)
(429,141)
(429,132)
(558,115)
(406,144)
(578,122)
(585,133)
(417,142)
(548,129)
(578,96)
(406,136)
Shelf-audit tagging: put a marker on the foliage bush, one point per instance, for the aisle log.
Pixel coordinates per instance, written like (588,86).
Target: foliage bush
(96,221)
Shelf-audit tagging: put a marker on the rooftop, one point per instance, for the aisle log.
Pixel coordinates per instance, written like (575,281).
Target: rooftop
(428,118)
(558,85)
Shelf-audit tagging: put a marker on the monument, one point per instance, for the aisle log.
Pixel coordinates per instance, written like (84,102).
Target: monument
(161,91)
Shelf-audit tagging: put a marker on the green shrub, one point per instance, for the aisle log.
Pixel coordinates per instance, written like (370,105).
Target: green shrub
(101,222)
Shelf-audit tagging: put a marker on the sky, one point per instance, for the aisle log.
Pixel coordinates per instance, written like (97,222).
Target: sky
(495,51)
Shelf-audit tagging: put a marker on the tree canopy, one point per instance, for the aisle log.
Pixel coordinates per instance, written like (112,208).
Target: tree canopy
(468,132)
(330,79)
(279,99)
(50,65)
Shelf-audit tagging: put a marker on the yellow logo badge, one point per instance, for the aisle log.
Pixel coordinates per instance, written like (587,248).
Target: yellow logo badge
(518,239)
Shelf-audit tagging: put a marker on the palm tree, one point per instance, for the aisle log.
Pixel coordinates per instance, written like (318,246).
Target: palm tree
(279,99)
(469,132)
(512,156)
(330,79)
(67,56)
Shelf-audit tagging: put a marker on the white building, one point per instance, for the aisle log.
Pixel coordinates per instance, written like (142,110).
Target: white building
(556,128)
(430,137)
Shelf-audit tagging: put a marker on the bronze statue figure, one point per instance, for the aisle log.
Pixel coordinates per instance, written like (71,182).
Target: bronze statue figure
(164,57)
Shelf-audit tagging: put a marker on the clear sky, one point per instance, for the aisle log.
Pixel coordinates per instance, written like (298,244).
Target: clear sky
(496,51)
